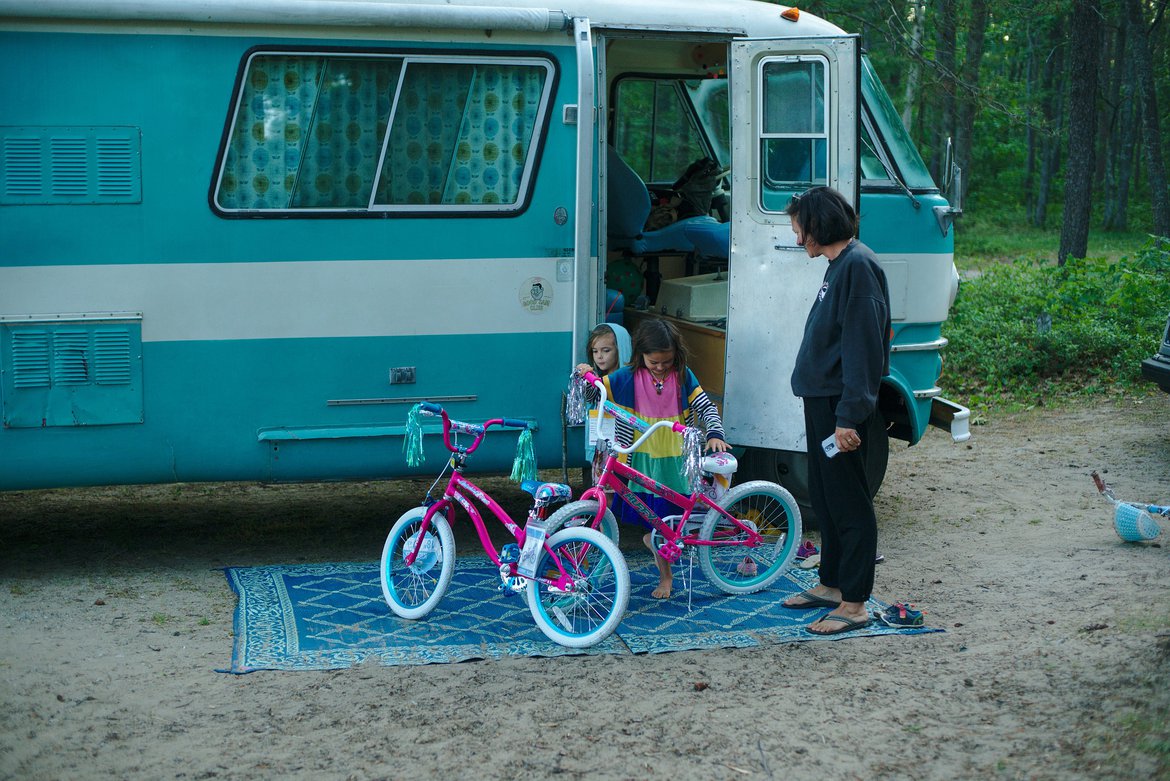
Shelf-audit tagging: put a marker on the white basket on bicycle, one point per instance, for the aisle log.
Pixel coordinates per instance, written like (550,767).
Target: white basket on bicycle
(1133,521)
(717,470)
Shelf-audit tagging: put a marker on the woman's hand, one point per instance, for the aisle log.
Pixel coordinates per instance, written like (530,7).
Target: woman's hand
(847,439)
(717,445)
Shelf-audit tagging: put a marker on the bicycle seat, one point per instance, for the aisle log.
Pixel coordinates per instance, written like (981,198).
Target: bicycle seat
(719,464)
(547,493)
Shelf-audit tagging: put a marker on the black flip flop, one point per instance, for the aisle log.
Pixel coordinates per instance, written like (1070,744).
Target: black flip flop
(847,625)
(813,602)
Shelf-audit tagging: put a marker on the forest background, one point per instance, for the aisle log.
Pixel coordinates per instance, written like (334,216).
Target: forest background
(1048,103)
(1056,110)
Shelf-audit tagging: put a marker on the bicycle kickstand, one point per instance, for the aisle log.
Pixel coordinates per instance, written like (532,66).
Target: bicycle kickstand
(690,577)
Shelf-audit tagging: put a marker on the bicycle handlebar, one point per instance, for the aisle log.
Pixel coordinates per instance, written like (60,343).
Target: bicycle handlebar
(475,429)
(627,417)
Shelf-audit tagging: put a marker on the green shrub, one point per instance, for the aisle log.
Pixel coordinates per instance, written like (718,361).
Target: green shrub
(1022,332)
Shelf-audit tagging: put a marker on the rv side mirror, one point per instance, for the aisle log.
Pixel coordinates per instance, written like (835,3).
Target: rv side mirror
(952,188)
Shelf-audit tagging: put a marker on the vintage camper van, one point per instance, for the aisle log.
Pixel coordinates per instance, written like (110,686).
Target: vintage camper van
(240,238)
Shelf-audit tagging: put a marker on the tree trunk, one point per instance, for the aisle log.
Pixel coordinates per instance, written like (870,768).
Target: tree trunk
(1085,45)
(1029,193)
(1151,130)
(1110,130)
(1052,108)
(1123,141)
(915,73)
(968,105)
(945,57)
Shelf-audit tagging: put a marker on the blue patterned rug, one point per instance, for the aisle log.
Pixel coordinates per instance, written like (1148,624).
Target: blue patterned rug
(333,616)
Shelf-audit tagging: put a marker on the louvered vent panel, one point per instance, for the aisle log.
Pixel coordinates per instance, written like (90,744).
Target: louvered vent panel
(115,169)
(70,165)
(30,359)
(22,168)
(84,370)
(112,357)
(67,167)
(71,357)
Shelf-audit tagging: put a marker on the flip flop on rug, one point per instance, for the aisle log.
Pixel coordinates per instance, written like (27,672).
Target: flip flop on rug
(811,601)
(812,561)
(847,625)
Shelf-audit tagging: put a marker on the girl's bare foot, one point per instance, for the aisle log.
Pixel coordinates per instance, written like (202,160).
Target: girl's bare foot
(665,576)
(664,588)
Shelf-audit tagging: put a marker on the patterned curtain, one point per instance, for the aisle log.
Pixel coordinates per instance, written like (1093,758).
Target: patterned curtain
(341,153)
(461,134)
(309,132)
(268,137)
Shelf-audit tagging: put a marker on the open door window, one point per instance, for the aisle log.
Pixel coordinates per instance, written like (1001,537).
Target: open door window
(794,132)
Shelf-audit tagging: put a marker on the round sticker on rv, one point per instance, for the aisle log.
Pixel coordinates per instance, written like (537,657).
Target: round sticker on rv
(536,294)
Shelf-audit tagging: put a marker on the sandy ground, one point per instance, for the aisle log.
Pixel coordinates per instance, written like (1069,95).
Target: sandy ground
(115,614)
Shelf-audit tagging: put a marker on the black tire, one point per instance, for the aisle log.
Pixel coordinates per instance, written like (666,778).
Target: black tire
(790,469)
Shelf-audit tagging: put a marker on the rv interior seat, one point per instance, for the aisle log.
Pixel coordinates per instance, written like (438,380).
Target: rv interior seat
(629,206)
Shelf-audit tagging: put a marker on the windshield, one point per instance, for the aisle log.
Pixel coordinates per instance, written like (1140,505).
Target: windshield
(892,138)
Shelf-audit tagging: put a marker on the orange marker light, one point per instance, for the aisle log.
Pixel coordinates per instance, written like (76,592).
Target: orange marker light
(791,14)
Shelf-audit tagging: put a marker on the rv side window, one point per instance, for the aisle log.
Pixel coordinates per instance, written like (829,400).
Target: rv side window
(794,137)
(335,132)
(654,129)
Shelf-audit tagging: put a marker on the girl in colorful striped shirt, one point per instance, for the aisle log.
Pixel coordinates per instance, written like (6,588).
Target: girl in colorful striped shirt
(657,385)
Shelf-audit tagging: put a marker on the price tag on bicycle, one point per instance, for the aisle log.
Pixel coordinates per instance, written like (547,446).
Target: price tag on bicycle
(535,532)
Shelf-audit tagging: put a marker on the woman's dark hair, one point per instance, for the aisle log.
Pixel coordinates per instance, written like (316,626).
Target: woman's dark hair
(654,335)
(824,214)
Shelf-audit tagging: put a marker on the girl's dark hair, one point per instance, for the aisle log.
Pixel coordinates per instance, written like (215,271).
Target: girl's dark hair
(824,214)
(656,336)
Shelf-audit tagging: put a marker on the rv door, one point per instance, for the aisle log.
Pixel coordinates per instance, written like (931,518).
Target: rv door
(585,298)
(794,125)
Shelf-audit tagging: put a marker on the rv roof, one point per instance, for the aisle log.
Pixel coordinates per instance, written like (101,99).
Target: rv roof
(737,17)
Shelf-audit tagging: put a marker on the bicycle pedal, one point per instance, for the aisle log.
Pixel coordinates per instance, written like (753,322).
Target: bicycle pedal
(670,551)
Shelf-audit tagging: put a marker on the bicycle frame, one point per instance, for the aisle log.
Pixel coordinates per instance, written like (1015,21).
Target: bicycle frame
(462,491)
(616,476)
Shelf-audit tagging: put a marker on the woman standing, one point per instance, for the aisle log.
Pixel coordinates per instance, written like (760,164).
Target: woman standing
(842,359)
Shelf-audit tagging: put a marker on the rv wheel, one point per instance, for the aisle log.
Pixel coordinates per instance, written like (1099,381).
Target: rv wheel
(790,470)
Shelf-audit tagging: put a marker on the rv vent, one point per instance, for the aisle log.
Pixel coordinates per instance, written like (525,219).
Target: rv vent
(111,350)
(30,359)
(70,165)
(71,356)
(71,373)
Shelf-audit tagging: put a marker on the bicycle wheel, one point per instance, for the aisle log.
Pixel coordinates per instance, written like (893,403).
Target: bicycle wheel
(591,612)
(413,590)
(581,513)
(737,568)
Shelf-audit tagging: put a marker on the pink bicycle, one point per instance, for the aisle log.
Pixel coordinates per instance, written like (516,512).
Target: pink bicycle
(745,537)
(576,579)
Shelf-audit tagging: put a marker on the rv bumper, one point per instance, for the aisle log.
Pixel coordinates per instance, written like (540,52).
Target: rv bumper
(1157,369)
(952,417)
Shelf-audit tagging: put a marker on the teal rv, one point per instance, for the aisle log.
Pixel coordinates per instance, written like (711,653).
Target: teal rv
(240,238)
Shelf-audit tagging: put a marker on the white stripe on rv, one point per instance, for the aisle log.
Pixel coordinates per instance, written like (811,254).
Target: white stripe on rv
(219,301)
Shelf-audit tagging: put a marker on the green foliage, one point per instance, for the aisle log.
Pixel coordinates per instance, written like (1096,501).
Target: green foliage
(992,237)
(1025,331)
